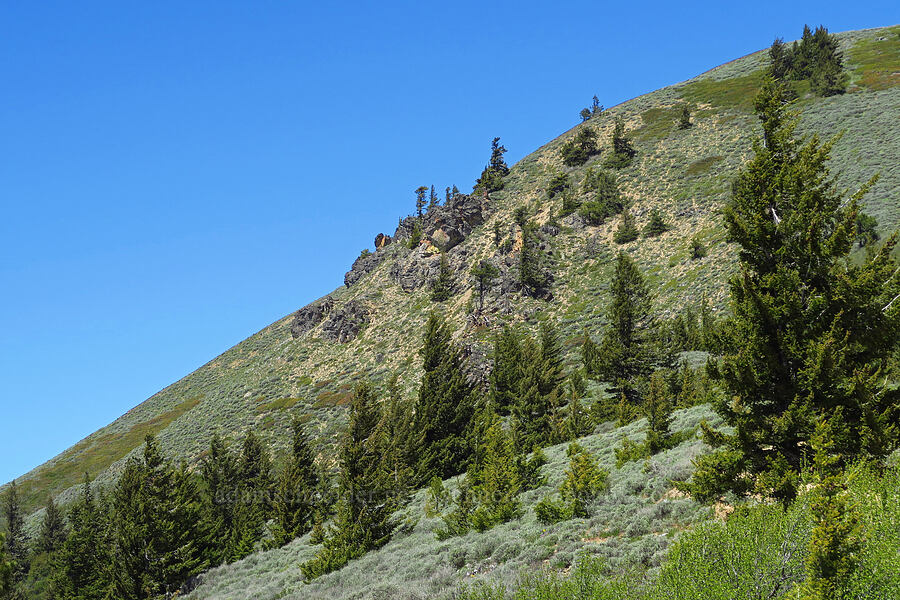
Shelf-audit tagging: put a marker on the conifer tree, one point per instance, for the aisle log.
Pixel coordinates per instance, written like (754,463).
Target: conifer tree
(491,178)
(532,408)
(16,539)
(442,287)
(532,272)
(810,333)
(626,351)
(579,149)
(779,60)
(551,357)
(498,479)
(623,151)
(590,357)
(395,439)
(506,374)
(684,119)
(657,225)
(432,198)
(484,274)
(81,571)
(218,472)
(420,200)
(6,569)
(365,503)
(658,408)
(445,405)
(627,230)
(294,501)
(53,530)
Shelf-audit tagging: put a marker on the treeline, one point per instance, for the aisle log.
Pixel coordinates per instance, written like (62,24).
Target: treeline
(815,58)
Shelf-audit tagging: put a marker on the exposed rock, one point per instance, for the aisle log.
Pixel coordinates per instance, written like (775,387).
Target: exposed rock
(346,322)
(310,315)
(549,229)
(421,266)
(362,266)
(448,225)
(382,240)
(574,221)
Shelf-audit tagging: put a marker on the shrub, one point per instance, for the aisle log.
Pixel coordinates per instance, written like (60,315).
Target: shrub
(657,225)
(577,151)
(698,250)
(627,231)
(558,184)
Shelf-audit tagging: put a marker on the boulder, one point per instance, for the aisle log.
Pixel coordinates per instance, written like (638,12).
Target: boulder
(362,266)
(310,315)
(382,240)
(345,323)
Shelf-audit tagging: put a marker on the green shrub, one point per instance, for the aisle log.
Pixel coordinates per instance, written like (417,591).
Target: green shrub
(627,231)
(578,150)
(657,225)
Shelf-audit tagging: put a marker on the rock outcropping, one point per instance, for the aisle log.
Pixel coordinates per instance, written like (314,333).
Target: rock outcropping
(310,315)
(346,322)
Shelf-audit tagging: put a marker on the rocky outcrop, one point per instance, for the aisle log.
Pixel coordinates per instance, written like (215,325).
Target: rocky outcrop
(345,323)
(310,315)
(448,225)
(382,240)
(420,267)
(362,266)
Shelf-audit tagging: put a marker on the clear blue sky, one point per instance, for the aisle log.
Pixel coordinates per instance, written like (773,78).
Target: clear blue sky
(175,176)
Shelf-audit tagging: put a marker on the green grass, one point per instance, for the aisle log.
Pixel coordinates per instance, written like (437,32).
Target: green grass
(736,93)
(699,167)
(877,60)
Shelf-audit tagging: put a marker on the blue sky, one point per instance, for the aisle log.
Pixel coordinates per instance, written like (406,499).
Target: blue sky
(174,176)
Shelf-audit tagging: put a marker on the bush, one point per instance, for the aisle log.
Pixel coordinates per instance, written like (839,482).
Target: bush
(627,231)
(657,225)
(577,151)
(698,250)
(557,185)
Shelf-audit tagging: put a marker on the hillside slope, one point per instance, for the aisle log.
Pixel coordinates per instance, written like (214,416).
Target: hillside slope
(306,364)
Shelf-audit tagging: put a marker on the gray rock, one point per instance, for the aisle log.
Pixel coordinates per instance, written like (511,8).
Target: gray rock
(448,225)
(362,266)
(310,315)
(346,322)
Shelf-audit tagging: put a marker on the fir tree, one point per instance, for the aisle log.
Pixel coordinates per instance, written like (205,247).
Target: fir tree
(596,107)
(658,409)
(551,358)
(604,197)
(6,569)
(363,515)
(698,250)
(684,119)
(627,230)
(395,439)
(498,479)
(626,350)
(506,374)
(444,407)
(295,496)
(532,407)
(420,200)
(584,480)
(656,226)
(780,58)
(218,472)
(432,198)
(532,272)
(491,178)
(579,149)
(415,237)
(484,274)
(498,235)
(442,287)
(81,565)
(623,151)
(16,539)
(590,357)
(559,183)
(585,114)
(810,333)
(53,530)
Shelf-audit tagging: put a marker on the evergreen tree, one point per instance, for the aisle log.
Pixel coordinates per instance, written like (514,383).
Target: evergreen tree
(53,530)
(506,375)
(698,250)
(444,407)
(81,566)
(498,235)
(657,225)
(559,183)
(420,200)
(810,333)
(604,197)
(532,407)
(828,77)
(585,114)
(590,357)
(415,238)
(658,408)
(579,149)
(484,274)
(442,287)
(219,474)
(491,178)
(295,495)
(626,349)
(551,357)
(627,230)
(780,58)
(432,199)
(532,264)
(596,107)
(684,119)
(16,539)
(447,195)
(623,151)
(395,439)
(6,569)
(498,482)
(365,503)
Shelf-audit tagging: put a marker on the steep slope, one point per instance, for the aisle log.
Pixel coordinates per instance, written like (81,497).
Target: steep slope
(306,363)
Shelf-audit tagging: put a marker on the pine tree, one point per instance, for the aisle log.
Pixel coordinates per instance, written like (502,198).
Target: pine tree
(6,569)
(81,566)
(218,472)
(432,199)
(551,358)
(444,407)
(656,226)
(255,484)
(532,264)
(53,530)
(684,120)
(532,407)
(590,357)
(658,408)
(780,59)
(365,503)
(623,151)
(596,107)
(698,250)
(604,197)
(498,234)
(579,149)
(584,480)
(498,480)
(420,200)
(16,539)
(506,373)
(626,351)
(294,501)
(491,178)
(627,230)
(395,439)
(484,274)
(810,333)
(442,287)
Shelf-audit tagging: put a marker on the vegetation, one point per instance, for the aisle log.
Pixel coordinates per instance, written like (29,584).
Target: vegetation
(656,226)
(491,179)
(623,151)
(815,58)
(627,230)
(442,287)
(579,149)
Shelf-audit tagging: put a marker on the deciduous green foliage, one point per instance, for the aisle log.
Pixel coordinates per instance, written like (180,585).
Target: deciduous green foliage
(365,499)
(810,333)
(484,274)
(656,226)
(491,178)
(444,407)
(295,499)
(81,572)
(623,151)
(627,230)
(578,150)
(442,287)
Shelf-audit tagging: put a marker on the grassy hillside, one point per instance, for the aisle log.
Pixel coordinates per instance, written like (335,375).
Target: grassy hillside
(686,174)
